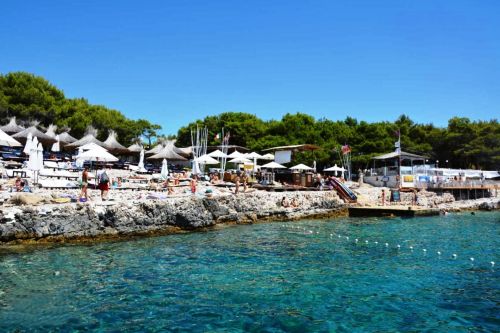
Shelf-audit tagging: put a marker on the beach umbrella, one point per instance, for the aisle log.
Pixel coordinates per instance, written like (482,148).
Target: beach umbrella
(268,156)
(56,147)
(140,166)
(33,155)
(335,168)
(89,138)
(301,167)
(170,152)
(240,160)
(206,159)
(217,154)
(273,165)
(164,169)
(112,144)
(253,155)
(39,158)
(135,148)
(27,146)
(12,127)
(236,154)
(42,137)
(91,146)
(7,140)
(97,155)
(51,131)
(66,138)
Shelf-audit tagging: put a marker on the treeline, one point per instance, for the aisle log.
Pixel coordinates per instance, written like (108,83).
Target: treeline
(463,143)
(32,98)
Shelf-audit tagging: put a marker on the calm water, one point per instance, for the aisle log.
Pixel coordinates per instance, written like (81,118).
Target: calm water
(271,277)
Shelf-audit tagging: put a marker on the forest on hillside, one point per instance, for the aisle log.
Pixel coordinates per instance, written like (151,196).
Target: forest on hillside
(463,143)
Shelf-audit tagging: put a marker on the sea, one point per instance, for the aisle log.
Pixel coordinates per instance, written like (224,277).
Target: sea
(431,274)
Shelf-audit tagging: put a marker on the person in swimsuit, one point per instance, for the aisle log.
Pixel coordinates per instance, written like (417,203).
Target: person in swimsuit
(85,183)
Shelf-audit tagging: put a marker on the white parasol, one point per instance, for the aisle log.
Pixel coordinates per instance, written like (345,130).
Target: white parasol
(97,155)
(206,159)
(217,154)
(56,147)
(164,169)
(301,167)
(140,166)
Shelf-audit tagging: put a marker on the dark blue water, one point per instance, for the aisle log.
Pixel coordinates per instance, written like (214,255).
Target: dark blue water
(274,277)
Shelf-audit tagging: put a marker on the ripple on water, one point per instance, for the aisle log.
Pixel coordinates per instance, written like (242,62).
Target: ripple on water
(266,277)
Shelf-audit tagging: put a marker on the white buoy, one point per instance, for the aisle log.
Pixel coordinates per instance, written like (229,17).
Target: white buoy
(386,244)
(425,250)
(471,259)
(331,235)
(366,242)
(347,237)
(492,263)
(340,236)
(398,246)
(356,240)
(439,253)
(376,242)
(454,256)
(411,248)
(56,273)
(317,232)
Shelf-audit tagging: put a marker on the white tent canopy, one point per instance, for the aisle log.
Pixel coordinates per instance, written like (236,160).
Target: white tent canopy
(236,154)
(335,168)
(240,160)
(217,154)
(301,167)
(273,165)
(206,159)
(97,155)
(268,156)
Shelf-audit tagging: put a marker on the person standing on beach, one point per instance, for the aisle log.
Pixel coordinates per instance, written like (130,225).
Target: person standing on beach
(104,184)
(85,183)
(237,183)
(244,180)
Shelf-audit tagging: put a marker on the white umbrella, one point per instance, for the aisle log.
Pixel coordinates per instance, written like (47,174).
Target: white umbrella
(273,165)
(268,156)
(254,155)
(217,154)
(7,140)
(140,166)
(79,161)
(236,154)
(56,147)
(164,169)
(335,168)
(33,155)
(206,159)
(27,146)
(39,158)
(97,155)
(92,146)
(240,160)
(301,167)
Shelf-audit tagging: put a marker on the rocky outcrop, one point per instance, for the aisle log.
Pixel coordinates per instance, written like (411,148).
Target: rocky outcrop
(87,221)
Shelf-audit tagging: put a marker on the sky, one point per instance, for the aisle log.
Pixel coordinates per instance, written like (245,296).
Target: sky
(173,62)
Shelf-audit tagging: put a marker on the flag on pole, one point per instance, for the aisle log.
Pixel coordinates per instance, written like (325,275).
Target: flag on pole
(346,149)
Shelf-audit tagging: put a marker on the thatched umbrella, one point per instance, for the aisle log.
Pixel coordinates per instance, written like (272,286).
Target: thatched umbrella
(155,150)
(113,145)
(51,131)
(42,137)
(170,152)
(12,127)
(66,138)
(90,136)
(135,148)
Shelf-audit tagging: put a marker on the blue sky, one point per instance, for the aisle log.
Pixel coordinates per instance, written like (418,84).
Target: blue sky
(176,61)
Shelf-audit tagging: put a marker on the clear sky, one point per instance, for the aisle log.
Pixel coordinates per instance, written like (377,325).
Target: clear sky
(172,62)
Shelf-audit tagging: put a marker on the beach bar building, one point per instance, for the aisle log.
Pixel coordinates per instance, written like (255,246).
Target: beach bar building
(396,169)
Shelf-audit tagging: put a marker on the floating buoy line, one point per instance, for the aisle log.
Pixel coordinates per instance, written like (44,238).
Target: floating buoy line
(367,242)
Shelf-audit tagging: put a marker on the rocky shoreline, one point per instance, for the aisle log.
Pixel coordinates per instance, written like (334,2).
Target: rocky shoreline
(132,215)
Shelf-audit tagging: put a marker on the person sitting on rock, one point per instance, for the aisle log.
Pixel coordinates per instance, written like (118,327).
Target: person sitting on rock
(285,203)
(294,203)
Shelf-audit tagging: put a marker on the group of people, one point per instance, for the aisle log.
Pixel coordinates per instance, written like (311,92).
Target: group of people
(103,183)
(286,204)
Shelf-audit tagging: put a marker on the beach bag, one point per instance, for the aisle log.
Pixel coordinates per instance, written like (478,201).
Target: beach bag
(104,178)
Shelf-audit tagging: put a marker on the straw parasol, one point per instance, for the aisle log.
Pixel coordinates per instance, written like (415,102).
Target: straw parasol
(12,127)
(113,145)
(66,138)
(42,137)
(51,130)
(7,140)
(90,146)
(135,148)
(89,137)
(169,152)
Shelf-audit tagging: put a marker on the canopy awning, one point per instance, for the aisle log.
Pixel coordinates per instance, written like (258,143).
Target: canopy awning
(402,155)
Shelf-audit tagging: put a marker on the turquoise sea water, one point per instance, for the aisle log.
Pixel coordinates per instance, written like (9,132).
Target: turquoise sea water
(274,277)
